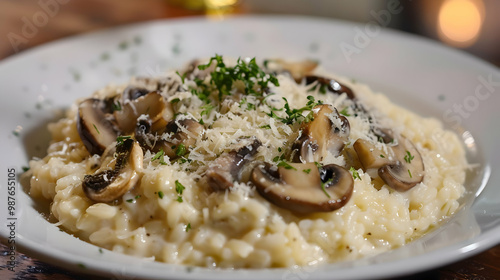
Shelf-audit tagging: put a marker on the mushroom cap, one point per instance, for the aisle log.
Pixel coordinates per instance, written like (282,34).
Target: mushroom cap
(95,128)
(110,184)
(327,132)
(230,167)
(184,131)
(303,188)
(333,85)
(405,173)
(151,104)
(401,167)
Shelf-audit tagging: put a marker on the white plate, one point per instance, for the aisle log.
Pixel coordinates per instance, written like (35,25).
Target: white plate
(419,74)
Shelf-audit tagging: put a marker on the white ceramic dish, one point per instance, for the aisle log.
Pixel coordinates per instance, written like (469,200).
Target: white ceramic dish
(422,75)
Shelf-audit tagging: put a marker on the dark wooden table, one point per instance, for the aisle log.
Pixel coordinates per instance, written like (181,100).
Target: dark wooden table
(65,18)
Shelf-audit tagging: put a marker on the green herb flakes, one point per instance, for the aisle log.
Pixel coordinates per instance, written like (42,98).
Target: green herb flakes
(344,112)
(95,127)
(323,187)
(159,155)
(408,157)
(286,165)
(120,139)
(179,188)
(180,150)
(355,173)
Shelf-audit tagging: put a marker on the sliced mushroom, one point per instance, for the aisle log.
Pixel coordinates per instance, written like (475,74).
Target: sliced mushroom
(106,185)
(303,188)
(133,93)
(372,156)
(327,132)
(230,167)
(95,126)
(384,135)
(183,131)
(332,85)
(298,70)
(135,103)
(401,167)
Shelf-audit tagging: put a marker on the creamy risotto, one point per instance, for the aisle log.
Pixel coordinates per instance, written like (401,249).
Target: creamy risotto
(234,163)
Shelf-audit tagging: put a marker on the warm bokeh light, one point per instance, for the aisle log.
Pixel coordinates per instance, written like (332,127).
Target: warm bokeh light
(220,3)
(460,22)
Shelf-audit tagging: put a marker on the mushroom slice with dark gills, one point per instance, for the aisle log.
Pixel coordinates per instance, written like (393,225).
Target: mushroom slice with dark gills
(331,84)
(179,134)
(117,175)
(137,102)
(401,167)
(303,187)
(95,125)
(326,133)
(232,167)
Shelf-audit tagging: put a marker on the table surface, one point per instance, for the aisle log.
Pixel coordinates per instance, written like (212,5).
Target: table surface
(76,17)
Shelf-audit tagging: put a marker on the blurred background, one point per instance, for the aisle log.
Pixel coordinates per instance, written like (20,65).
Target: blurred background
(470,25)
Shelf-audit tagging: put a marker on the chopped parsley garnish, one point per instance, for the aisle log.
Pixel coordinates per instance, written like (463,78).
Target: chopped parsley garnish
(175,100)
(25,168)
(120,139)
(179,188)
(160,194)
(307,171)
(116,106)
(409,172)
(296,114)
(254,79)
(206,109)
(355,173)
(319,165)
(279,158)
(250,106)
(137,196)
(129,200)
(382,156)
(408,157)
(188,227)
(100,250)
(183,77)
(159,155)
(266,126)
(344,112)
(322,88)
(323,187)
(180,150)
(95,127)
(286,165)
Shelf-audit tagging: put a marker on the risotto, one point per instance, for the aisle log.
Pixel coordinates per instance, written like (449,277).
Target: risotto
(238,164)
